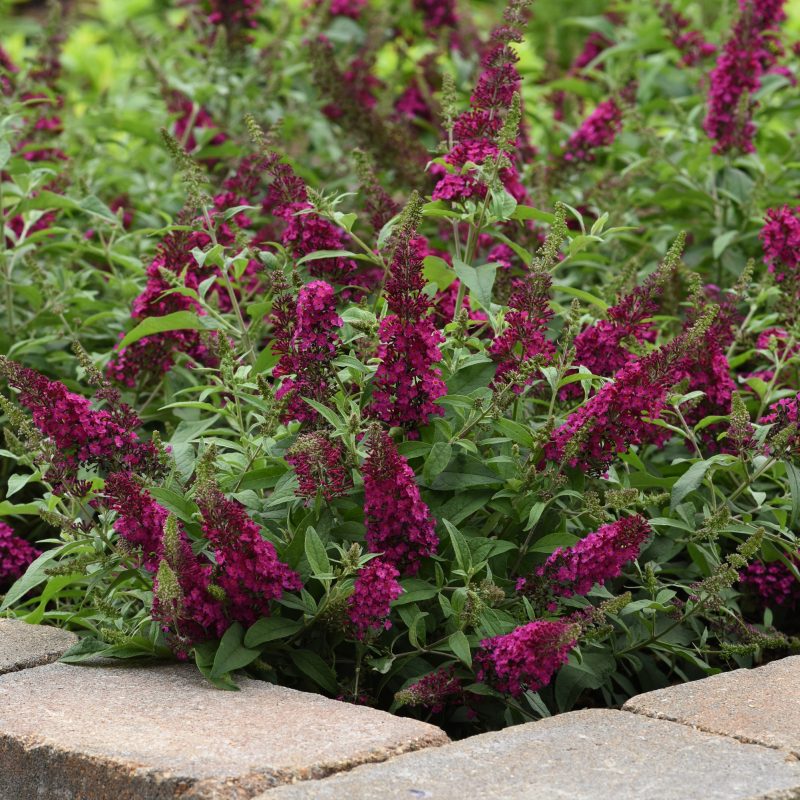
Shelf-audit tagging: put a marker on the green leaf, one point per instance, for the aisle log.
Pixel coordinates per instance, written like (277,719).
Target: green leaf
(34,575)
(320,254)
(471,377)
(529,212)
(793,475)
(5,152)
(312,665)
(478,280)
(551,542)
(232,653)
(437,460)
(316,554)
(460,546)
(460,646)
(581,294)
(574,677)
(693,477)
(269,629)
(177,321)
(86,648)
(437,270)
(721,243)
(183,508)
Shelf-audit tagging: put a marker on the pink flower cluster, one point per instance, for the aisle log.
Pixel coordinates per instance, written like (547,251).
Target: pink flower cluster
(475,131)
(407,382)
(154,355)
(599,129)
(527,658)
(319,463)
(434,691)
(81,434)
(344,8)
(237,17)
(613,419)
(691,44)
(600,347)
(780,237)
(7,71)
(196,616)
(305,231)
(399,524)
(140,519)
(15,555)
(526,333)
(437,13)
(782,414)
(746,56)
(250,573)
(368,606)
(596,558)
(307,340)
(774,583)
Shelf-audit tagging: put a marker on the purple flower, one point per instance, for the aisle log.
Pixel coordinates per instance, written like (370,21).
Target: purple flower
(596,558)
(320,466)
(525,334)
(15,555)
(774,584)
(527,658)
(399,524)
(81,434)
(746,56)
(375,588)
(306,336)
(407,382)
(248,569)
(780,237)
(599,129)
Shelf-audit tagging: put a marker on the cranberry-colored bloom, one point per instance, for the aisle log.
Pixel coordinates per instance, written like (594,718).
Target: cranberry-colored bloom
(7,71)
(15,555)
(613,419)
(196,615)
(780,237)
(140,519)
(437,14)
(781,415)
(599,129)
(693,47)
(527,658)
(433,691)
(320,466)
(399,524)
(596,558)
(237,17)
(345,8)
(362,86)
(774,584)
(249,571)
(192,118)
(407,382)
(474,131)
(81,434)
(525,334)
(746,56)
(307,339)
(375,588)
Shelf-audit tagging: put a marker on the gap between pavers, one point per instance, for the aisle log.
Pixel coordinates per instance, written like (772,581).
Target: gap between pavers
(23,646)
(159,732)
(760,706)
(583,755)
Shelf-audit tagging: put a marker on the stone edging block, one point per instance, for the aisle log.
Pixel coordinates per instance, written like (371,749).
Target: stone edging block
(760,705)
(23,646)
(162,732)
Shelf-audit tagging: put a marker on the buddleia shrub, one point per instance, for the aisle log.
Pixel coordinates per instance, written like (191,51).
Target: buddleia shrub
(444,377)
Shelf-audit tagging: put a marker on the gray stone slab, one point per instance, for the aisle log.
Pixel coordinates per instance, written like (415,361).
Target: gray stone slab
(159,732)
(23,645)
(753,705)
(584,755)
